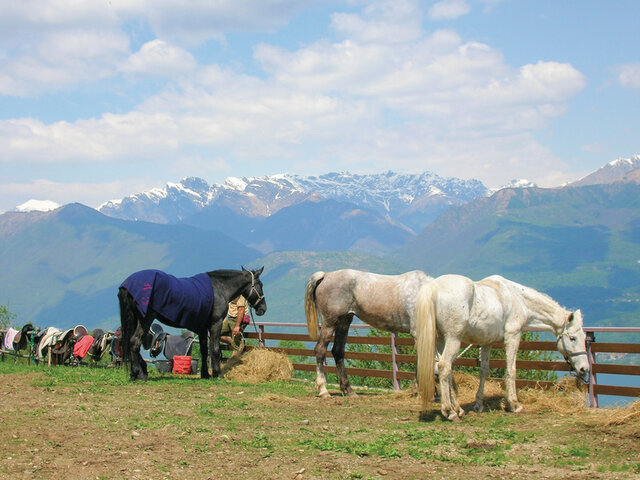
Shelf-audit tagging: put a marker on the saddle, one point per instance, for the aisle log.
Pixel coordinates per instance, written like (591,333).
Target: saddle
(21,340)
(115,347)
(47,340)
(63,347)
(156,340)
(100,344)
(178,345)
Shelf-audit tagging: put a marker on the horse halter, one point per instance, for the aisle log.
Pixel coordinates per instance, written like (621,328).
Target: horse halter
(567,355)
(254,290)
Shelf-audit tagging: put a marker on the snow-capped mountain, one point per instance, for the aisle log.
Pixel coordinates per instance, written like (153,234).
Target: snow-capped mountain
(412,199)
(515,183)
(611,172)
(37,206)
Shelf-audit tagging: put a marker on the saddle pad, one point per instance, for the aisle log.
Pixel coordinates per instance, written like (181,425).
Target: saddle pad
(82,346)
(8,338)
(48,339)
(186,302)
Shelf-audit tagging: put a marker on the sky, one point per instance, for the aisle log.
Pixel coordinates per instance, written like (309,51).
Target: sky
(101,99)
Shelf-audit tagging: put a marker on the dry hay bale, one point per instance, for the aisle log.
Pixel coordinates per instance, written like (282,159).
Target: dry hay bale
(567,396)
(629,414)
(259,365)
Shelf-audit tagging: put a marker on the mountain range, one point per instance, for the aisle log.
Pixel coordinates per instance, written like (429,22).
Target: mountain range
(408,201)
(579,243)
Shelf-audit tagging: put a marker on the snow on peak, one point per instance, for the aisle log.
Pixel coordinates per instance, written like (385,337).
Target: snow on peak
(37,206)
(236,183)
(633,161)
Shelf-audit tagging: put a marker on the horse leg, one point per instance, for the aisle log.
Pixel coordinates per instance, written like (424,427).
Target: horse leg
(485,352)
(326,332)
(214,349)
(338,355)
(448,401)
(511,344)
(203,336)
(132,331)
(138,365)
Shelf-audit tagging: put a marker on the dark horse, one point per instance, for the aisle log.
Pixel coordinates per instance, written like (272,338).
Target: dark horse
(152,294)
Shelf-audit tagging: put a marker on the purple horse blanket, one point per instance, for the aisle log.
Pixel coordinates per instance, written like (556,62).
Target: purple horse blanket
(186,302)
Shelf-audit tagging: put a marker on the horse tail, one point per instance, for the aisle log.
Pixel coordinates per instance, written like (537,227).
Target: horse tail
(128,323)
(426,343)
(310,304)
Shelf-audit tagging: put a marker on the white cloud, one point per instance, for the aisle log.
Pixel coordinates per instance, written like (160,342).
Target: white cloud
(629,75)
(61,59)
(382,21)
(157,57)
(204,19)
(449,9)
(46,45)
(385,90)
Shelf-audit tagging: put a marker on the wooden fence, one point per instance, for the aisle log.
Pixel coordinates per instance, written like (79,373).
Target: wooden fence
(266,338)
(395,374)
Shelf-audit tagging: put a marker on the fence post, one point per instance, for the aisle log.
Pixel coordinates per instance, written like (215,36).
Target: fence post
(394,363)
(593,398)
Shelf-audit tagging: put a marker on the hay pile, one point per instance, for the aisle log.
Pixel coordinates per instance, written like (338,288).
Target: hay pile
(625,415)
(259,365)
(566,397)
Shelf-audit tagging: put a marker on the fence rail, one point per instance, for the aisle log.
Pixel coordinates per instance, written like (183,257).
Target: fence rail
(396,374)
(395,358)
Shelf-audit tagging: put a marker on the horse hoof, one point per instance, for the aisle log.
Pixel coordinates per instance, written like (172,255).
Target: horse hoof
(352,394)
(478,408)
(520,409)
(324,395)
(453,417)
(461,413)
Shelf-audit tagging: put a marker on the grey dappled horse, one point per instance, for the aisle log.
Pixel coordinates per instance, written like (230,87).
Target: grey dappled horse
(453,309)
(383,301)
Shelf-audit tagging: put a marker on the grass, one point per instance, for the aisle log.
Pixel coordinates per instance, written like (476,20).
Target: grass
(184,427)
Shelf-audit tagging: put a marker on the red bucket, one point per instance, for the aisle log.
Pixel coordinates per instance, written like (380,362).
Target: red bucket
(182,364)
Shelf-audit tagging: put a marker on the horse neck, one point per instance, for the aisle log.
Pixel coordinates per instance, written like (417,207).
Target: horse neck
(543,313)
(229,283)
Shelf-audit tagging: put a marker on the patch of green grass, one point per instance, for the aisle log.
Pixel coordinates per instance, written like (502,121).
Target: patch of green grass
(384,446)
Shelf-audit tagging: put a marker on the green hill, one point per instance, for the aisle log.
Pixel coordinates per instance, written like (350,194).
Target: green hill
(63,268)
(579,245)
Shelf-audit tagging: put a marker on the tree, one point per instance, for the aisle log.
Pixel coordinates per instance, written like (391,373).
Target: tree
(6,317)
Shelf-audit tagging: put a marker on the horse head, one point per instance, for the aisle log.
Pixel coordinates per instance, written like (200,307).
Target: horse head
(571,342)
(254,293)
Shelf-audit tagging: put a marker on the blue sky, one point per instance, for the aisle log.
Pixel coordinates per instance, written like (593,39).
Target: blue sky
(102,99)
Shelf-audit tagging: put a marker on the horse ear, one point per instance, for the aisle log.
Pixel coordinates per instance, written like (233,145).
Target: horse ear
(570,319)
(243,269)
(259,272)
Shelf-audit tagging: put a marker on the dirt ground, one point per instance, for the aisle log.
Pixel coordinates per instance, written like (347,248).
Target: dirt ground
(55,426)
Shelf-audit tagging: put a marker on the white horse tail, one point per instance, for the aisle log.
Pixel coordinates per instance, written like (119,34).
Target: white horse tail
(426,343)
(310,309)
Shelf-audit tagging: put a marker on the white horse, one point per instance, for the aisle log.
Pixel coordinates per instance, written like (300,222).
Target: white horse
(383,301)
(452,309)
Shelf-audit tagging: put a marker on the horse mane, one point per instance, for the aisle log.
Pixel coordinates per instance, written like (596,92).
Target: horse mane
(541,305)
